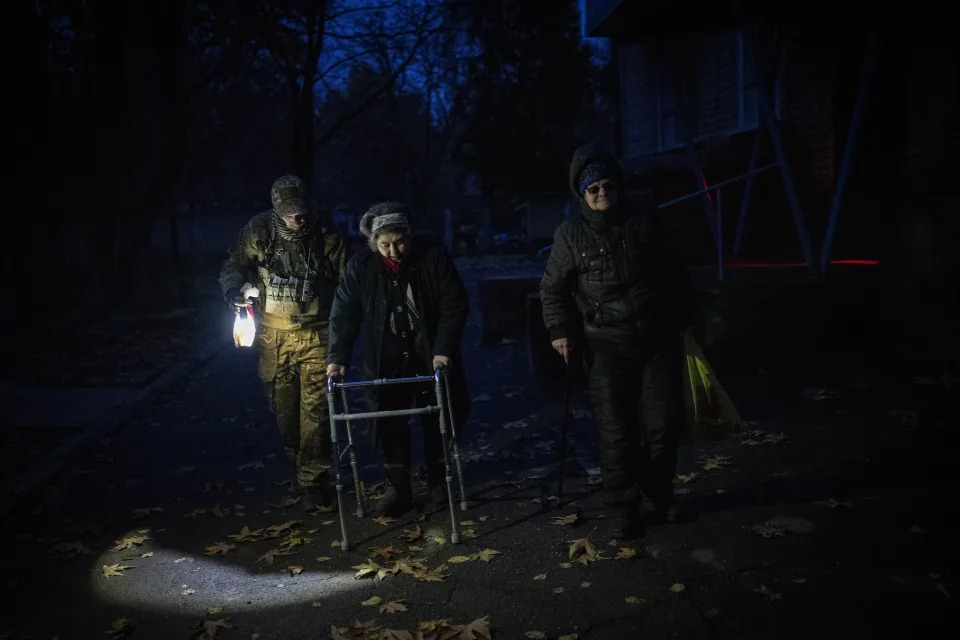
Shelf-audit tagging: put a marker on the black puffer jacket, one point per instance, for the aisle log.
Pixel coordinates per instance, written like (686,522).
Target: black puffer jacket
(626,283)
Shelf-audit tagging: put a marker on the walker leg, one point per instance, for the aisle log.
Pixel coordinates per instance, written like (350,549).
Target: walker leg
(454,521)
(344,541)
(456,448)
(353,457)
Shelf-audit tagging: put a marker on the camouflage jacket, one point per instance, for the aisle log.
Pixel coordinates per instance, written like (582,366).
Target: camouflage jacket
(296,279)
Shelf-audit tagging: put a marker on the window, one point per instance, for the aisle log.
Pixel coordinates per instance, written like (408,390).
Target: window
(749,107)
(671,133)
(726,89)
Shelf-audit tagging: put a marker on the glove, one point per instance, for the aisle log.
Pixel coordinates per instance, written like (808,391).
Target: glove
(234,299)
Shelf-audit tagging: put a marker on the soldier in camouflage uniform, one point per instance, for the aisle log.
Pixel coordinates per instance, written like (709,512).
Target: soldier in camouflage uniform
(296,263)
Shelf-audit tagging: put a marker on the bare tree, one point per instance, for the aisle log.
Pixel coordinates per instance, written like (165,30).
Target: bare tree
(316,45)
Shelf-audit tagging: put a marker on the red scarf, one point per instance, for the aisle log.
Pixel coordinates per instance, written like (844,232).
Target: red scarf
(392,265)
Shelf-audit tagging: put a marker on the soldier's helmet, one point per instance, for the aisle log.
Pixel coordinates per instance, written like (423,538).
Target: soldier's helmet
(288,194)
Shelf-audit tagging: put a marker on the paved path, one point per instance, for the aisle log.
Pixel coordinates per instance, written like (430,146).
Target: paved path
(834,520)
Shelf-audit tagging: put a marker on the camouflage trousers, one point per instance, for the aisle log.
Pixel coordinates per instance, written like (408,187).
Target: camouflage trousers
(292,366)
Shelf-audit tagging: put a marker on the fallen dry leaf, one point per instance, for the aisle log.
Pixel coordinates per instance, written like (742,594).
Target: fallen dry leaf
(769,530)
(279,530)
(572,518)
(479,628)
(383,520)
(270,555)
(372,601)
(459,559)
(433,575)
(486,555)
(323,508)
(540,576)
(66,550)
(366,569)
(128,543)
(220,548)
(625,553)
(385,552)
(715,462)
(394,606)
(110,570)
(818,393)
(119,628)
(687,478)
(210,628)
(833,504)
(349,633)
(412,534)
(293,540)
(678,587)
(938,583)
(216,510)
(288,501)
(294,570)
(770,595)
(141,513)
(582,551)
(246,535)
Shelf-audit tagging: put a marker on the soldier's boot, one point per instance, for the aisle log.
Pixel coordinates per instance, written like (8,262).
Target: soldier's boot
(398,498)
(294,483)
(317,495)
(436,483)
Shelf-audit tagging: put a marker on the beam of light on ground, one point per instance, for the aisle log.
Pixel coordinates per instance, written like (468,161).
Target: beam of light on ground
(158,582)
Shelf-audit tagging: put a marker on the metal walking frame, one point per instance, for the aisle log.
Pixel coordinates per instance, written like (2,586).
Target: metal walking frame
(444,407)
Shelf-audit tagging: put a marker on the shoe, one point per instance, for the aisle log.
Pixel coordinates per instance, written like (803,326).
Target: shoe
(398,498)
(294,483)
(438,495)
(625,527)
(316,497)
(437,484)
(625,523)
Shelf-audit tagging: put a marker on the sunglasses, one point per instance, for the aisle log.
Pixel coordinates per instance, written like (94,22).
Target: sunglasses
(594,189)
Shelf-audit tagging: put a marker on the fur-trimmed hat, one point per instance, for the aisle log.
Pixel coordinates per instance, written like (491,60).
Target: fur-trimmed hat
(385,215)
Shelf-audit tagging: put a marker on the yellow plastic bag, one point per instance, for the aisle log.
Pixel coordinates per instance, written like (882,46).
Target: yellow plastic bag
(709,411)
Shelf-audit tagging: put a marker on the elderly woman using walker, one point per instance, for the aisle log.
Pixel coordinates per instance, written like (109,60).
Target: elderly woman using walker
(410,303)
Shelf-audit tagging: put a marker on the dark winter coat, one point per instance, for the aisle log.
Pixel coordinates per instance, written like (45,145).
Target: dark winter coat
(361,303)
(616,267)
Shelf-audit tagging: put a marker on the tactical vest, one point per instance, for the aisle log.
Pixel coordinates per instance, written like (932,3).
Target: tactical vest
(297,280)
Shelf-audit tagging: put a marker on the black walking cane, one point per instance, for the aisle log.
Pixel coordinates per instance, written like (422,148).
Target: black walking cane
(563,427)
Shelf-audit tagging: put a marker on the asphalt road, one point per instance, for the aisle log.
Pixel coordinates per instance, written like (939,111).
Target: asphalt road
(835,519)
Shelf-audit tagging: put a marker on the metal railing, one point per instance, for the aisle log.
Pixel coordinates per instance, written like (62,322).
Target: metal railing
(717,224)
